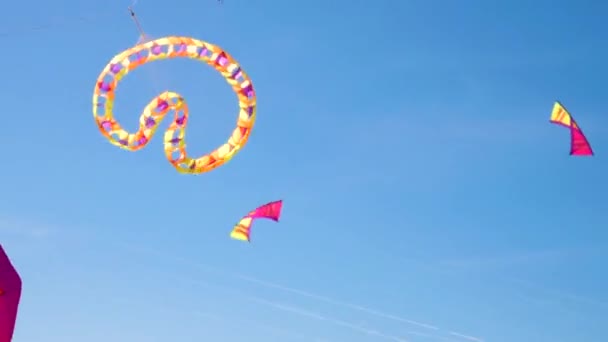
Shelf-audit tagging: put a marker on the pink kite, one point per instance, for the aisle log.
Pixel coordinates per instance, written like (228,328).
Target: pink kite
(10,294)
(579,145)
(271,211)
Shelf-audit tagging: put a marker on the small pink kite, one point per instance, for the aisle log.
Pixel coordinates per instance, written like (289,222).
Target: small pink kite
(579,145)
(271,211)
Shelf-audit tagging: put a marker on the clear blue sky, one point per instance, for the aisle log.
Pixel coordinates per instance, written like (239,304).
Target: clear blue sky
(409,139)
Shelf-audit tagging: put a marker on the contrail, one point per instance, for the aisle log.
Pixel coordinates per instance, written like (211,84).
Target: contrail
(288,289)
(466,337)
(335,302)
(416,333)
(286,308)
(313,315)
(299,292)
(257,325)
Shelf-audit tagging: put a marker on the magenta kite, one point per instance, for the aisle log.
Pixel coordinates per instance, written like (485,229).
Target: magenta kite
(10,294)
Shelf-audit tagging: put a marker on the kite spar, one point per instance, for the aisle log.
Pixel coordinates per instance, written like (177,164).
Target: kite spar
(579,145)
(10,294)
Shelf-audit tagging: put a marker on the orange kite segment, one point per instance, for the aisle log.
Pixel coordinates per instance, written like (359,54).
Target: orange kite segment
(579,145)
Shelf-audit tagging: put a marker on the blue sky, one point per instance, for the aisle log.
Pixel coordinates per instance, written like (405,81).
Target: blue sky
(426,194)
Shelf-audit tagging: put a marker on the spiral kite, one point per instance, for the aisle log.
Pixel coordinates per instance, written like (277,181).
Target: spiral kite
(156,110)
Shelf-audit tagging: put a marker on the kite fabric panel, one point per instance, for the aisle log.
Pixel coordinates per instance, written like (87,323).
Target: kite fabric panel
(579,145)
(271,211)
(163,104)
(10,295)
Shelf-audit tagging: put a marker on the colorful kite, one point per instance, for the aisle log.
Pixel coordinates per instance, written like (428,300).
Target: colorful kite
(158,108)
(579,145)
(10,294)
(271,211)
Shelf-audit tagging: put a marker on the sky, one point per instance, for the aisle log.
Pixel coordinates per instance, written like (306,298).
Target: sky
(427,198)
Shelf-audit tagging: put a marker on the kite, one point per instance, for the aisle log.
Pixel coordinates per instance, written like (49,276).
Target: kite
(579,145)
(10,294)
(159,107)
(242,230)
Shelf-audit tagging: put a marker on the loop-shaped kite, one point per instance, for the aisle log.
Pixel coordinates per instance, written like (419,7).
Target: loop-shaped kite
(159,107)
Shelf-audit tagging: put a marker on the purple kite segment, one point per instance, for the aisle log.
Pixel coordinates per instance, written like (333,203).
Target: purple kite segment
(115,68)
(247,91)
(222,59)
(162,105)
(157,49)
(104,86)
(203,52)
(107,125)
(150,122)
(236,73)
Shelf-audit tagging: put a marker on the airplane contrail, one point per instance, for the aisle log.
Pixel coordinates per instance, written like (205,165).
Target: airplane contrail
(288,289)
(335,302)
(258,325)
(466,337)
(310,314)
(296,291)
(286,308)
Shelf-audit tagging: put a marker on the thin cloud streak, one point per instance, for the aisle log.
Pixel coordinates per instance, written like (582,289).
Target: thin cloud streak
(562,295)
(259,326)
(335,302)
(254,325)
(267,284)
(290,289)
(286,308)
(309,314)
(466,337)
(514,259)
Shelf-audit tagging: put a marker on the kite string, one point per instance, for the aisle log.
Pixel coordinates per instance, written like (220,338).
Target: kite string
(136,21)
(154,77)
